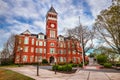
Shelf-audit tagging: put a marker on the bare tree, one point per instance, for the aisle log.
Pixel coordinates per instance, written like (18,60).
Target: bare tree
(8,50)
(84,35)
(107,26)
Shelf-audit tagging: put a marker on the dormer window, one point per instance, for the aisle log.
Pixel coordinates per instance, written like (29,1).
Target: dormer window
(40,36)
(61,39)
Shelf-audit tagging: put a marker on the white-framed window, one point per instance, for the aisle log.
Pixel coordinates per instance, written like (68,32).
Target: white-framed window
(39,58)
(20,41)
(69,51)
(68,44)
(26,40)
(73,45)
(64,59)
(32,41)
(52,34)
(36,50)
(25,57)
(61,45)
(32,49)
(44,50)
(31,58)
(26,49)
(61,51)
(40,50)
(40,43)
(74,59)
(78,60)
(35,58)
(52,44)
(61,59)
(44,43)
(74,52)
(36,43)
(52,50)
(64,45)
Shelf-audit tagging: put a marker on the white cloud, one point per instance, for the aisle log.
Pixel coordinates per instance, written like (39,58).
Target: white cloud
(97,5)
(68,14)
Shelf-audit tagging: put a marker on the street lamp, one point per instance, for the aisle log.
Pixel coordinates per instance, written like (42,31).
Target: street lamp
(20,52)
(55,65)
(39,61)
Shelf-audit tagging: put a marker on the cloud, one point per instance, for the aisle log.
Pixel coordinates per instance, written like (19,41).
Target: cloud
(96,6)
(18,15)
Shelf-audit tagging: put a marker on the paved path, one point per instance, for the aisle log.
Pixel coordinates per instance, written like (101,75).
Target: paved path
(80,75)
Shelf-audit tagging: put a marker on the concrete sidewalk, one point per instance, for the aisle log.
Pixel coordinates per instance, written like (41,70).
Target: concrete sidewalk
(80,75)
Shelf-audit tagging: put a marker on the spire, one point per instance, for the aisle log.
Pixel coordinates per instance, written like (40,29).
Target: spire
(52,10)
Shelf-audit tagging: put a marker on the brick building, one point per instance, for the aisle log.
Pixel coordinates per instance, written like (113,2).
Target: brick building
(29,48)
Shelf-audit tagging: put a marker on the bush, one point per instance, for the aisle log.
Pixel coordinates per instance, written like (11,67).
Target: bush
(55,67)
(101,58)
(107,65)
(60,68)
(74,65)
(69,67)
(5,62)
(80,65)
(44,61)
(118,64)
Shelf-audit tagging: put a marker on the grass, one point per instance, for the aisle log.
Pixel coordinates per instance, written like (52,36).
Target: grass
(11,75)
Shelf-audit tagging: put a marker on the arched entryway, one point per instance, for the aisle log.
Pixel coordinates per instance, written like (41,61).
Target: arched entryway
(51,59)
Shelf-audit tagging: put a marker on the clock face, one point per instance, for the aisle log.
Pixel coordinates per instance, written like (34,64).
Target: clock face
(52,25)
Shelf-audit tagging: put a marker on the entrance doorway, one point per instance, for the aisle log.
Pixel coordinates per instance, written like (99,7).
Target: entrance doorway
(51,59)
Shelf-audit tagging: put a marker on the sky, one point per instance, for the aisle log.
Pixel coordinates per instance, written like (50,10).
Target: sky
(16,16)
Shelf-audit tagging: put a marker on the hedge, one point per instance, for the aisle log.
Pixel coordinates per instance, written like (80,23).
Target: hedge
(62,68)
(44,61)
(107,65)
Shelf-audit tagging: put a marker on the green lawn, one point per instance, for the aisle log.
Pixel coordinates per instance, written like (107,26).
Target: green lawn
(11,75)
(11,66)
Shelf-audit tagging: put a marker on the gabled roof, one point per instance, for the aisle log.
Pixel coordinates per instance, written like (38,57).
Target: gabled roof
(26,32)
(41,33)
(52,10)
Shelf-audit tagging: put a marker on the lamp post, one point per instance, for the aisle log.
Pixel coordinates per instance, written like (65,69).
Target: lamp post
(55,65)
(39,61)
(20,51)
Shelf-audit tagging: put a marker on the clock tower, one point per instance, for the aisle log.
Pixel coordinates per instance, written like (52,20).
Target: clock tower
(51,24)
(51,35)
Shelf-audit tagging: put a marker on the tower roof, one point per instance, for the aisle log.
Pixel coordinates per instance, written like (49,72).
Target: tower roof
(52,10)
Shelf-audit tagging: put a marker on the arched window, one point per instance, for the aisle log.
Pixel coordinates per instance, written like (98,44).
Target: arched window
(51,44)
